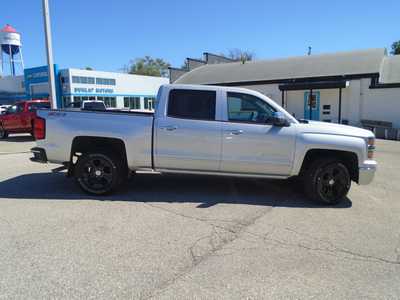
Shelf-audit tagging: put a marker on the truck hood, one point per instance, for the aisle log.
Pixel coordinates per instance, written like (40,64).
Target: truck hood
(336,129)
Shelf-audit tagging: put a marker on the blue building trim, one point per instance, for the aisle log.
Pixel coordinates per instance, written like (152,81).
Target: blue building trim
(57,78)
(107,95)
(39,75)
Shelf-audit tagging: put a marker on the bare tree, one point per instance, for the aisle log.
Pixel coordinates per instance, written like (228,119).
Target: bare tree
(241,55)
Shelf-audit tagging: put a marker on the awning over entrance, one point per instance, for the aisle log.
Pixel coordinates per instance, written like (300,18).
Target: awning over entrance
(296,86)
(314,85)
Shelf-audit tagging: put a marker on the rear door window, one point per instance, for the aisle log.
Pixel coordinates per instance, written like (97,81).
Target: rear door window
(192,104)
(20,107)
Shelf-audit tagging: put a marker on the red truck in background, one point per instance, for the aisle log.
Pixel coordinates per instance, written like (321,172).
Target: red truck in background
(19,117)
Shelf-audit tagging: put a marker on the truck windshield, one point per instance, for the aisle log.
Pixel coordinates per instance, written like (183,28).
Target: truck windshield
(38,105)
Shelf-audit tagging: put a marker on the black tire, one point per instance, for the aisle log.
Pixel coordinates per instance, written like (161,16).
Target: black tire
(98,173)
(3,133)
(327,181)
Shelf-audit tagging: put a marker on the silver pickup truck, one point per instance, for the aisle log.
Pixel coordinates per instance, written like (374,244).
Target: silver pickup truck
(207,130)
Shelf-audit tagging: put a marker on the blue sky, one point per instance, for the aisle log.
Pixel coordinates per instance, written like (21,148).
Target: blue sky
(107,34)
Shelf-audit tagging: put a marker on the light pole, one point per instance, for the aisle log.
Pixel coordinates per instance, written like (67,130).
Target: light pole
(49,50)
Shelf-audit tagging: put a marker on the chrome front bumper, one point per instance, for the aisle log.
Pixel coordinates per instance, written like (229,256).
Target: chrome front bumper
(366,172)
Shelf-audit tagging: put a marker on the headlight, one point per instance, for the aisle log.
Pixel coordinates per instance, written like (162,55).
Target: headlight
(371,147)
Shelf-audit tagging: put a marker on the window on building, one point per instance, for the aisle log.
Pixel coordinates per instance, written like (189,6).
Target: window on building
(108,101)
(149,103)
(76,103)
(105,81)
(248,108)
(312,101)
(66,100)
(192,104)
(83,79)
(132,102)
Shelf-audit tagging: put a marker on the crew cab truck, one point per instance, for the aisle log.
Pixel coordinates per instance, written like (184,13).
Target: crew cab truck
(19,118)
(209,130)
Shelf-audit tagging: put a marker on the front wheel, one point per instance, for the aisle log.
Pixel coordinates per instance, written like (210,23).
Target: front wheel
(97,173)
(327,181)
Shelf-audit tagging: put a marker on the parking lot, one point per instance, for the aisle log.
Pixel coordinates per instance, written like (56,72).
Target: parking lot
(168,237)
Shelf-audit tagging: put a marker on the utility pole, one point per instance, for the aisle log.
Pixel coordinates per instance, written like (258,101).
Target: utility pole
(49,50)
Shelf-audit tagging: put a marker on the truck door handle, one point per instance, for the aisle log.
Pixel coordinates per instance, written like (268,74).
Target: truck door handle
(236,132)
(169,128)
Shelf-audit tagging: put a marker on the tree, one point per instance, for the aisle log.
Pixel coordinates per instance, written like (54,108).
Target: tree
(242,55)
(89,68)
(148,66)
(395,48)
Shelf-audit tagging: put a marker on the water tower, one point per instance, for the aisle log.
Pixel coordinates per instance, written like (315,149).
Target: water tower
(11,51)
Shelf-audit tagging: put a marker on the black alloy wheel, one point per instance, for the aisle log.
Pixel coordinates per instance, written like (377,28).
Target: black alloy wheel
(328,181)
(97,173)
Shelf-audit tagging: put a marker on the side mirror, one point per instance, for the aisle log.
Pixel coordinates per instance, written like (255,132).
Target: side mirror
(279,119)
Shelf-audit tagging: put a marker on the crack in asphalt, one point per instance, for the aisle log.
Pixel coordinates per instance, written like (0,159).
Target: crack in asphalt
(331,248)
(213,242)
(5,221)
(222,235)
(397,250)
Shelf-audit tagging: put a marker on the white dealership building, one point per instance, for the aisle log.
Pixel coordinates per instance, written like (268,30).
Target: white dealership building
(117,90)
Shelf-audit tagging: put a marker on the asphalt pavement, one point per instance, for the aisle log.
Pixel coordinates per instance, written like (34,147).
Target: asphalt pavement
(194,237)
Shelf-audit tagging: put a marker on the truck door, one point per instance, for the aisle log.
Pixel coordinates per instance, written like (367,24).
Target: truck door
(24,117)
(188,137)
(251,145)
(19,124)
(10,119)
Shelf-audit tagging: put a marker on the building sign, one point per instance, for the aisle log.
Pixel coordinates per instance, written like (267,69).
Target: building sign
(93,90)
(36,75)
(43,75)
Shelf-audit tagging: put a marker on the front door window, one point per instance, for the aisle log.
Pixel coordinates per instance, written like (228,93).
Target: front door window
(248,108)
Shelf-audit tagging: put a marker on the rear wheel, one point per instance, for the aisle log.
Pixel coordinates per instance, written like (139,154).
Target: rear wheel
(3,133)
(98,173)
(327,181)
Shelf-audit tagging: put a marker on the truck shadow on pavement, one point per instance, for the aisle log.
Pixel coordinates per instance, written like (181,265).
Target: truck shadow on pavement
(204,190)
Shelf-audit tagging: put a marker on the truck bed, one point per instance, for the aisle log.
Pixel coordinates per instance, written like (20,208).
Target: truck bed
(133,128)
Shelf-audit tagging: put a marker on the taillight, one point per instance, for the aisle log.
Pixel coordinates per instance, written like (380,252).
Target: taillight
(39,128)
